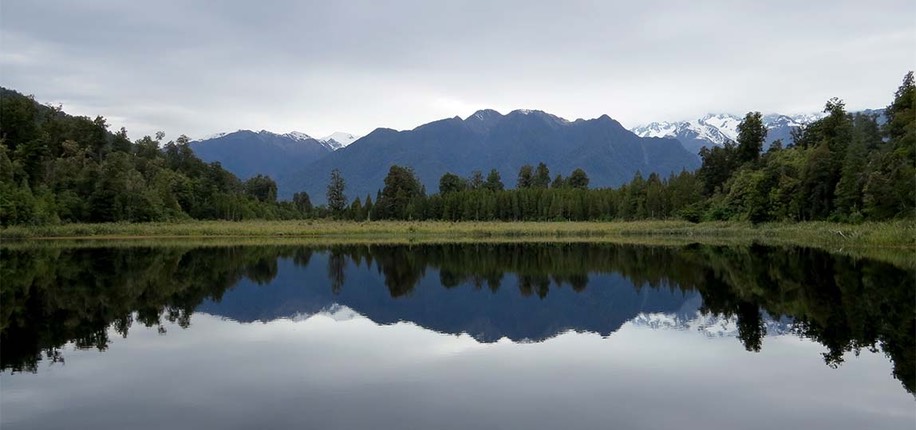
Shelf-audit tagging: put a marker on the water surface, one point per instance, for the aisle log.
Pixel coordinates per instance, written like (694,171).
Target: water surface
(455,336)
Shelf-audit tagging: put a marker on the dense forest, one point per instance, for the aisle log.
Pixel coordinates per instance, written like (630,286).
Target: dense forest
(844,167)
(56,168)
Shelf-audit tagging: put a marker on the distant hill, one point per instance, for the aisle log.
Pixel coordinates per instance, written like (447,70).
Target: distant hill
(247,153)
(607,151)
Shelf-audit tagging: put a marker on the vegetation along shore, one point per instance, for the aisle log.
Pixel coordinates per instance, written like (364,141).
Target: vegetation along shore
(844,178)
(888,234)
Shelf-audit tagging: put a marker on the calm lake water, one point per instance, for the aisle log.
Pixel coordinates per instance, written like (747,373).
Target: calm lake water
(507,336)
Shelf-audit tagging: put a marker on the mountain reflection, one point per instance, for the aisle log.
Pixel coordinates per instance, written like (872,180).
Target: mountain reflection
(53,296)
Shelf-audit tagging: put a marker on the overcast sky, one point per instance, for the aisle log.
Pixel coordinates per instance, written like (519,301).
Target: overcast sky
(199,67)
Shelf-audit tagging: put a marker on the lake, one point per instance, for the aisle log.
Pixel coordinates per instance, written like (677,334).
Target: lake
(455,336)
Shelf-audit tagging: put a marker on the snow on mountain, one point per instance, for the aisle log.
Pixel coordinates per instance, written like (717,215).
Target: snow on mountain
(247,153)
(338,140)
(709,325)
(716,129)
(333,142)
(211,136)
(295,135)
(336,312)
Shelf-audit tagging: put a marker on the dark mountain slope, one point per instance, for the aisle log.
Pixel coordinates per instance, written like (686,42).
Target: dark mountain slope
(609,153)
(247,153)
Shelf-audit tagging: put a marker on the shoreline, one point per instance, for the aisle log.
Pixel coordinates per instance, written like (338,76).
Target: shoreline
(897,234)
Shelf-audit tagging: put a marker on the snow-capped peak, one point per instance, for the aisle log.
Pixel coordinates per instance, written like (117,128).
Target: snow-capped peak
(709,325)
(298,135)
(211,136)
(338,140)
(718,128)
(484,114)
(333,142)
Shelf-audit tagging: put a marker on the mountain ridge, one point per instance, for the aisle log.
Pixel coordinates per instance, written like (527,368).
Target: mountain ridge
(247,153)
(487,139)
(714,129)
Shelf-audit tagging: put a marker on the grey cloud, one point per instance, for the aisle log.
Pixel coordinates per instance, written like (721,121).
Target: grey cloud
(199,67)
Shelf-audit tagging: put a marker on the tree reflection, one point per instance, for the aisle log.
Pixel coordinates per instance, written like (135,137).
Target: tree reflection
(52,296)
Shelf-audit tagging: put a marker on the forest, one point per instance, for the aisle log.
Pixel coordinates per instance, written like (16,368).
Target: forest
(844,168)
(56,168)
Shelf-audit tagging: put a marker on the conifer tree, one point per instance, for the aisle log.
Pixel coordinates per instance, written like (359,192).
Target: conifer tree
(337,199)
(525,177)
(494,182)
(541,177)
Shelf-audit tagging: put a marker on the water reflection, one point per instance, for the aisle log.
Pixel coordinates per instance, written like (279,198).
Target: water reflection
(52,296)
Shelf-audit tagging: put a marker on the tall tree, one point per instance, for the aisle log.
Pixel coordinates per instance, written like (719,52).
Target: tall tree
(302,202)
(541,177)
(853,171)
(752,133)
(718,165)
(890,188)
(494,182)
(337,199)
(525,177)
(402,190)
(475,181)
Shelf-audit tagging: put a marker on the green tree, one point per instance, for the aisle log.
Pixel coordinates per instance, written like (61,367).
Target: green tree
(475,181)
(817,185)
(751,136)
(451,183)
(494,182)
(541,177)
(262,188)
(578,179)
(853,174)
(890,187)
(302,202)
(718,164)
(525,177)
(356,210)
(368,207)
(399,197)
(337,199)
(901,119)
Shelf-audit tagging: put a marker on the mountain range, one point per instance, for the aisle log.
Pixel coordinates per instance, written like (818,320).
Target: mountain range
(487,139)
(716,129)
(247,153)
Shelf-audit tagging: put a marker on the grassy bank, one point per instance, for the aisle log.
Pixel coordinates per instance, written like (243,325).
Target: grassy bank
(886,234)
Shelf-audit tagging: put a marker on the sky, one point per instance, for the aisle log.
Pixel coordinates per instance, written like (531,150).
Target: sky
(201,67)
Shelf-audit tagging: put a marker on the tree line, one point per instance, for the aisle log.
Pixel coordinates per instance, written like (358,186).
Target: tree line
(844,167)
(58,168)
